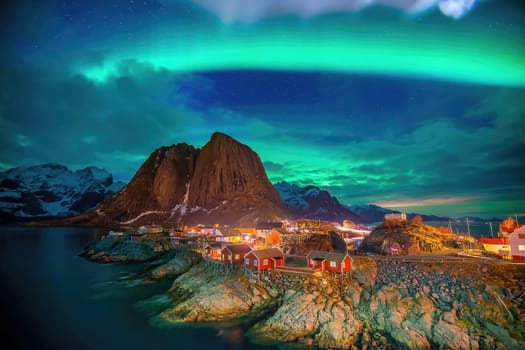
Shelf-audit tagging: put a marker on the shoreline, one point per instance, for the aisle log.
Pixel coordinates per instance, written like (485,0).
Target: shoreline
(383,302)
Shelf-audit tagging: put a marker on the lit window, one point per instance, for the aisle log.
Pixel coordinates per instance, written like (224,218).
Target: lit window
(236,256)
(332,264)
(343,264)
(265,262)
(521,248)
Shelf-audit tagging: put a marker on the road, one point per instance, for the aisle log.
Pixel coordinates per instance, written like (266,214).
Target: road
(447,257)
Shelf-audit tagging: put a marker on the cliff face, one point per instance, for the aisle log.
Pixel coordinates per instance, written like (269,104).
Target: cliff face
(224,183)
(229,170)
(158,184)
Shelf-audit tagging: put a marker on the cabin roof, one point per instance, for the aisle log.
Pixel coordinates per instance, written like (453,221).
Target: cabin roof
(214,245)
(238,248)
(268,253)
(486,240)
(331,256)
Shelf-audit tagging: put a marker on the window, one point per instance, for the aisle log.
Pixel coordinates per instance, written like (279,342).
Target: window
(265,262)
(236,256)
(255,262)
(312,261)
(521,235)
(343,265)
(247,261)
(333,264)
(222,256)
(521,248)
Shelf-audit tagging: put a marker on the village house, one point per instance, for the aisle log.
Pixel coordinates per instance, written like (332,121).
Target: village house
(262,229)
(395,218)
(329,261)
(497,246)
(232,236)
(150,229)
(234,253)
(264,259)
(517,243)
(213,250)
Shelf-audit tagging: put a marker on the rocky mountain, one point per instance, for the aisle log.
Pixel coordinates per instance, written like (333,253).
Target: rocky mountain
(52,190)
(371,213)
(224,182)
(406,238)
(313,203)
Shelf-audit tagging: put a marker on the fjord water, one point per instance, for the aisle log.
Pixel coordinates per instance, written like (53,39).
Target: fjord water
(51,298)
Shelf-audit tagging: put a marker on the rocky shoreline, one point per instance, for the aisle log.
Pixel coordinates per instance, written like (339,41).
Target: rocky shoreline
(379,305)
(382,304)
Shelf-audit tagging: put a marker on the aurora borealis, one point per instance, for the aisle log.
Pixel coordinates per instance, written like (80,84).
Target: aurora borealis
(403,105)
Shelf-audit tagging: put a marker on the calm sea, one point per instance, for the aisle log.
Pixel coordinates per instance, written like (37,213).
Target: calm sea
(53,299)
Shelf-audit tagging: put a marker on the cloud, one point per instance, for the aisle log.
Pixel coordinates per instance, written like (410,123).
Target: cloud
(271,166)
(425,202)
(48,114)
(231,11)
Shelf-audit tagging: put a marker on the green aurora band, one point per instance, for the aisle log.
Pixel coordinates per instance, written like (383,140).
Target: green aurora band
(464,54)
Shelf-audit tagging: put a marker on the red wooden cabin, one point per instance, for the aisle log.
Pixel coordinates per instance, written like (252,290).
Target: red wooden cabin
(264,259)
(234,253)
(329,261)
(213,250)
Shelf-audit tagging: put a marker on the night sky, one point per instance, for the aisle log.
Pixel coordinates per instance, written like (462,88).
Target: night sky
(417,105)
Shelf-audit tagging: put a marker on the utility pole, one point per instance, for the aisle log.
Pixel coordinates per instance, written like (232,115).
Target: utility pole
(516,216)
(468,230)
(491,232)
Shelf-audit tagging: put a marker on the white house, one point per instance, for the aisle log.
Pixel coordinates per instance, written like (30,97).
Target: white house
(517,243)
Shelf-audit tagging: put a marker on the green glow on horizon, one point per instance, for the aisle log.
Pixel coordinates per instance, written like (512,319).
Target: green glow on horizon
(427,52)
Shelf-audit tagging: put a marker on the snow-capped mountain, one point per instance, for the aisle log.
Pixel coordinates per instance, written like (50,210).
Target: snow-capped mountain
(312,202)
(52,190)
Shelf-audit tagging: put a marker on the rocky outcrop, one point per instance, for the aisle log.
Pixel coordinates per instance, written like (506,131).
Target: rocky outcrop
(381,305)
(122,249)
(223,183)
(176,266)
(201,296)
(407,238)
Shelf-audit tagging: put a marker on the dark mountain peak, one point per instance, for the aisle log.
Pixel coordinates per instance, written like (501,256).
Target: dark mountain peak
(221,183)
(218,136)
(227,170)
(312,202)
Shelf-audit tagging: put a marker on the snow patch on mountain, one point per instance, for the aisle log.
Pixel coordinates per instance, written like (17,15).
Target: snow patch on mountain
(52,190)
(312,202)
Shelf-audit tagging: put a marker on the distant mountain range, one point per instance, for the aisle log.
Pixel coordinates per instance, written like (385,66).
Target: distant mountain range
(52,190)
(371,213)
(224,182)
(311,202)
